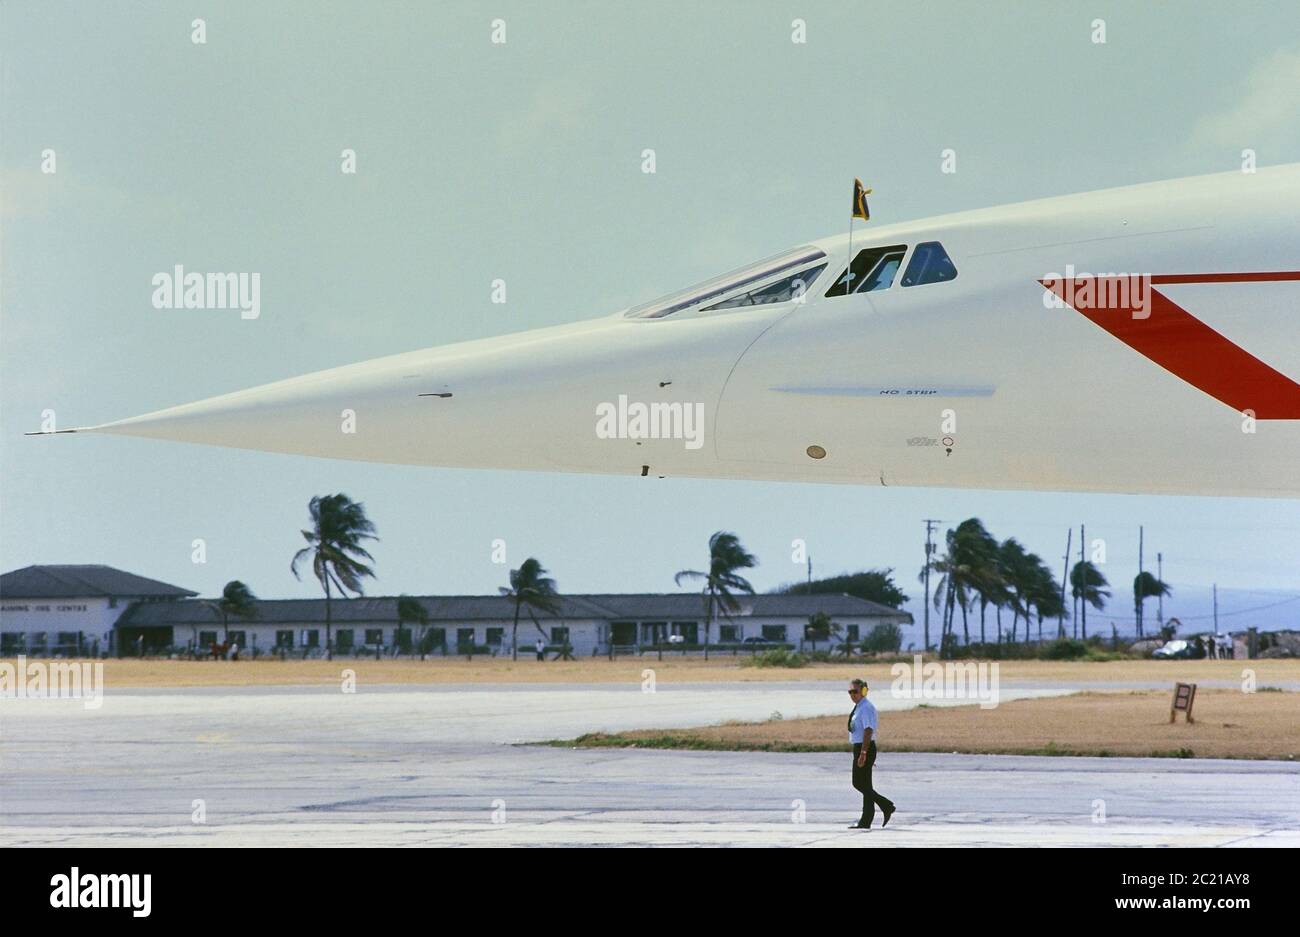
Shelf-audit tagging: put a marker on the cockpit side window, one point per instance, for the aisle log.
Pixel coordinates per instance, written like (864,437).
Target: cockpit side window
(873,269)
(930,263)
(729,282)
(782,291)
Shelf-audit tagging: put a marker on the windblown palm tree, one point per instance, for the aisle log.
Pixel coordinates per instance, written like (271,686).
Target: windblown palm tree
(529,588)
(1018,571)
(1089,587)
(1145,586)
(411,611)
(339,525)
(237,600)
(1046,598)
(726,557)
(821,628)
(967,567)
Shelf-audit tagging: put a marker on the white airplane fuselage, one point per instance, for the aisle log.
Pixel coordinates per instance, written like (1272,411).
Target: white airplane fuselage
(980,380)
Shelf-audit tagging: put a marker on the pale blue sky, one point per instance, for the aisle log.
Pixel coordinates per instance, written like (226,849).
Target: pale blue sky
(522,161)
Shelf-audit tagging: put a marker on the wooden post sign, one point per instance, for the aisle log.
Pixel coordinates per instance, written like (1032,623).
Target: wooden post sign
(1184,696)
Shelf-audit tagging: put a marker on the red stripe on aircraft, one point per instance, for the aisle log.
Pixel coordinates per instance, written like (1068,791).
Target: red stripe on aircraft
(1188,348)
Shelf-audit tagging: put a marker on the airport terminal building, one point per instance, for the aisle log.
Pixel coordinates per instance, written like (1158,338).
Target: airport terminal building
(56,609)
(73,610)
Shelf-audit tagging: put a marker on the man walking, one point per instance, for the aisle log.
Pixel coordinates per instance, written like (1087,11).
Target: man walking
(541,649)
(862,733)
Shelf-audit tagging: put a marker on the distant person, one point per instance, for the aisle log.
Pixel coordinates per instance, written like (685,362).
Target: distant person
(862,733)
(541,649)
(1229,652)
(1212,647)
(234,651)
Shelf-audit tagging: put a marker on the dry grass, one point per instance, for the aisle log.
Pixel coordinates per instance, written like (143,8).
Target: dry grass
(723,669)
(1229,724)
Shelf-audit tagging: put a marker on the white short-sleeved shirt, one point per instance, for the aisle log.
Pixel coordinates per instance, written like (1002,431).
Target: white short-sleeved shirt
(864,717)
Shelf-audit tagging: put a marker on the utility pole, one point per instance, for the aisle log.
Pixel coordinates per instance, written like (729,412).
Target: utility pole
(810,574)
(1083,585)
(1160,599)
(1216,609)
(1065,574)
(929,551)
(1137,590)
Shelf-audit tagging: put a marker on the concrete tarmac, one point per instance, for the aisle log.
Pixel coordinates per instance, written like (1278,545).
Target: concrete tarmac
(443,766)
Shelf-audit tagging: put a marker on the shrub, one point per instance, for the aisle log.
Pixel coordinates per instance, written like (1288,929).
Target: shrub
(777,658)
(1064,649)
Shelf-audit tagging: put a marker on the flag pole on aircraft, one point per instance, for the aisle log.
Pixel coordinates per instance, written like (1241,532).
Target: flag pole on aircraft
(860,210)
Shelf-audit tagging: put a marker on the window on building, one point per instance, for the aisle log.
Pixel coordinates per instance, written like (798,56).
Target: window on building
(311,637)
(495,636)
(851,632)
(689,630)
(559,634)
(374,635)
(624,632)
(654,632)
(930,263)
(436,637)
(284,639)
(344,638)
(774,633)
(12,642)
(239,637)
(729,634)
(785,290)
(207,638)
(464,637)
(39,638)
(873,269)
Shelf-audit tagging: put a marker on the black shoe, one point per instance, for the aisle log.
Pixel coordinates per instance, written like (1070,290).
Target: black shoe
(888,813)
(859,826)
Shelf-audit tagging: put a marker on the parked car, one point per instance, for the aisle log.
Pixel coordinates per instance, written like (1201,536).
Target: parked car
(677,639)
(1174,650)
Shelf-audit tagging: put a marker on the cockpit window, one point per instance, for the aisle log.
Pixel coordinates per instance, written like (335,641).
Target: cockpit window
(930,263)
(782,291)
(728,282)
(873,269)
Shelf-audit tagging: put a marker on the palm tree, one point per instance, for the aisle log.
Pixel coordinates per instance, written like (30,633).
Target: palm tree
(1018,572)
(821,627)
(1089,587)
(1146,586)
(530,588)
(967,566)
(338,526)
(238,600)
(411,611)
(1048,600)
(726,556)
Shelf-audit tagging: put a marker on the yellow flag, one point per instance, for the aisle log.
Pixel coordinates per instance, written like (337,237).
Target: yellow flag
(860,194)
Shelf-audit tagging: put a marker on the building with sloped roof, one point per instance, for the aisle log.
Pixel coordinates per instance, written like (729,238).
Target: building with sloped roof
(73,609)
(484,623)
(99,609)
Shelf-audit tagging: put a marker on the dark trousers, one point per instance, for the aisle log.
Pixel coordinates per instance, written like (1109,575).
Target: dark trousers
(862,781)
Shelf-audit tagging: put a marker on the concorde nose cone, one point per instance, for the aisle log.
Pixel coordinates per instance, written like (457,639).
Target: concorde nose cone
(312,414)
(486,403)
